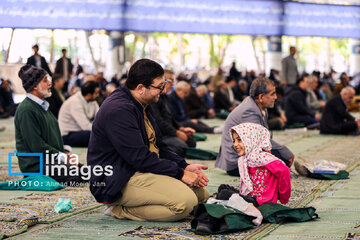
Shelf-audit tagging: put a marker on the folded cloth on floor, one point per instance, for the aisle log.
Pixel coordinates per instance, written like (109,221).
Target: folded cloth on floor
(199,137)
(321,169)
(222,115)
(277,213)
(201,154)
(340,175)
(33,183)
(325,166)
(215,218)
(237,202)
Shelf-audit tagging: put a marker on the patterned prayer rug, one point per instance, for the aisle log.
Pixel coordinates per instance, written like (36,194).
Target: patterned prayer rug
(91,225)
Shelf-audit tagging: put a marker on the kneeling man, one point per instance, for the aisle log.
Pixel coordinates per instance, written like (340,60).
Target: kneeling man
(149,182)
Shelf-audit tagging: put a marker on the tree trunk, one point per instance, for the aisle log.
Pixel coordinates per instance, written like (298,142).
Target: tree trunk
(146,39)
(222,51)
(212,51)
(255,54)
(180,50)
(91,51)
(52,46)
(132,49)
(8,50)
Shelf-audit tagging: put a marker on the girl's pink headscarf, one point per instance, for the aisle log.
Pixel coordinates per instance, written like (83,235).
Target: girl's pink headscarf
(256,139)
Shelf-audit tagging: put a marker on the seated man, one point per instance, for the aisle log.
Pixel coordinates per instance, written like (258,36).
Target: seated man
(336,119)
(7,105)
(276,115)
(344,82)
(151,183)
(296,109)
(195,106)
(254,110)
(312,100)
(76,114)
(57,98)
(178,138)
(222,97)
(240,90)
(36,128)
(182,89)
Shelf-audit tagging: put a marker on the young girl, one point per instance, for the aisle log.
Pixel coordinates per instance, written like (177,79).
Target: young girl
(262,175)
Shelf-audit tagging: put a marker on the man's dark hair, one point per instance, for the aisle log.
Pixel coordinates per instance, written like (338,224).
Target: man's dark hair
(63,50)
(55,77)
(143,71)
(89,87)
(260,86)
(36,46)
(302,78)
(280,91)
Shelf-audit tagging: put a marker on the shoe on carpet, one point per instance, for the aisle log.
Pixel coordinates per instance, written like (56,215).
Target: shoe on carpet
(300,167)
(207,224)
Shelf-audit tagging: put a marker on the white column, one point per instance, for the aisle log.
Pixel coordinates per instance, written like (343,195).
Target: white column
(116,53)
(354,56)
(273,54)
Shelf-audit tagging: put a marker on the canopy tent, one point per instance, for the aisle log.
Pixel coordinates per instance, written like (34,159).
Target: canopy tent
(256,17)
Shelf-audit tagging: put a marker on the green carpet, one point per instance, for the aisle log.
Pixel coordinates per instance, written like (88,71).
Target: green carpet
(92,224)
(339,211)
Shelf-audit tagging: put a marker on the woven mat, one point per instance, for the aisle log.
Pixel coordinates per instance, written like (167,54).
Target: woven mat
(16,206)
(309,145)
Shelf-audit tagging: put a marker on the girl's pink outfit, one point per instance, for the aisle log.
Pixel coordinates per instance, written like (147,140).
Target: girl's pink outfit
(262,175)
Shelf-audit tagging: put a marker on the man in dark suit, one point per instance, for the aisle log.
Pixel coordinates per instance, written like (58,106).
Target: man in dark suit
(177,137)
(64,67)
(38,61)
(195,106)
(336,119)
(296,109)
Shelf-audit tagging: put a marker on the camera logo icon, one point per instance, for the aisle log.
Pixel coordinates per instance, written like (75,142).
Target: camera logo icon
(15,153)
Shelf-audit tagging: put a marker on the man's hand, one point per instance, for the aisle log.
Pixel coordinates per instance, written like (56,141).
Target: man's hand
(180,134)
(190,178)
(322,103)
(211,112)
(188,130)
(283,118)
(196,168)
(317,116)
(232,107)
(358,123)
(194,120)
(290,161)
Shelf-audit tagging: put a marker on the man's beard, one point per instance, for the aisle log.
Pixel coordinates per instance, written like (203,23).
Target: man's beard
(45,92)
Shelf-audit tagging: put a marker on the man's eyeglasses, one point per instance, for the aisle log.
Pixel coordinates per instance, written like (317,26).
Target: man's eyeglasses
(169,80)
(160,88)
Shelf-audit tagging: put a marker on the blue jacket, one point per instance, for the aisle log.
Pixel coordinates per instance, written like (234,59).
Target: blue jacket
(178,108)
(118,139)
